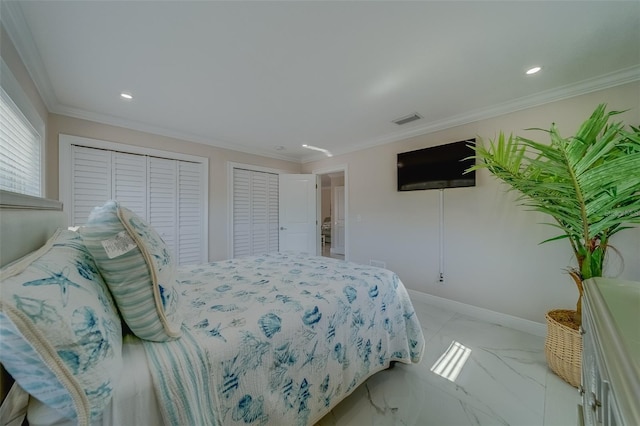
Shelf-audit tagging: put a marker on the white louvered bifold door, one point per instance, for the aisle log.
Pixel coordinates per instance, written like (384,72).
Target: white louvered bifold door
(162,187)
(255,212)
(91,181)
(130,181)
(169,194)
(190,213)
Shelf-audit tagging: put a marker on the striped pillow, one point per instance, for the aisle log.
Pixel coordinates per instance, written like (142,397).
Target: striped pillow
(138,268)
(60,333)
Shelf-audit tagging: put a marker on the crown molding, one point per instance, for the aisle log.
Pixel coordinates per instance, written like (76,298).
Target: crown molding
(160,131)
(606,81)
(16,26)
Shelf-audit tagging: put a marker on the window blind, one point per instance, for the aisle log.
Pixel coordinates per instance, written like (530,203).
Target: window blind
(20,150)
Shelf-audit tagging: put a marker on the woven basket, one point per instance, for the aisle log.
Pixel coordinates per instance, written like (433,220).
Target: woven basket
(563,349)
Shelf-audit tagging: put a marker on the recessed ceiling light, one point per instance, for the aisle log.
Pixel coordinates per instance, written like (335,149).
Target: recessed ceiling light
(533,70)
(126,95)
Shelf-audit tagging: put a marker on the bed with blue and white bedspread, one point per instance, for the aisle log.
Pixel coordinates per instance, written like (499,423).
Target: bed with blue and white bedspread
(279,339)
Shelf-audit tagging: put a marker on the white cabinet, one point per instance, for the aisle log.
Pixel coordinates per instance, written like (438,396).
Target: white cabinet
(610,359)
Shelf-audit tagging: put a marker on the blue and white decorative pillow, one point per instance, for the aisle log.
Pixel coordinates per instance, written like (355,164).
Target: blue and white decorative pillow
(60,333)
(138,268)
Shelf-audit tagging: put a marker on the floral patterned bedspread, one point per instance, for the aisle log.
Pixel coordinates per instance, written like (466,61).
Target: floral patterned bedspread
(280,339)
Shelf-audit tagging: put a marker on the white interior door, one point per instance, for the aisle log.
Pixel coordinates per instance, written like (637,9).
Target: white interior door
(337,237)
(298,207)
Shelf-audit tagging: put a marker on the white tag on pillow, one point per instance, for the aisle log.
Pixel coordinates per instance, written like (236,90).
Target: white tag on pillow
(118,245)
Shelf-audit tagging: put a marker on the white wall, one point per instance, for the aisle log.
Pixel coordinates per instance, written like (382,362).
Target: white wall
(492,256)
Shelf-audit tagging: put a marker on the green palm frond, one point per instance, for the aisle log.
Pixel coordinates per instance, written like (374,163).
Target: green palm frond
(589,183)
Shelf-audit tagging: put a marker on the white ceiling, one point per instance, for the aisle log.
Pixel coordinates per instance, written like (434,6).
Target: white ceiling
(253,76)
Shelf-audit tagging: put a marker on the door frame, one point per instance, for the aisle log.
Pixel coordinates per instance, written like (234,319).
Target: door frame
(344,168)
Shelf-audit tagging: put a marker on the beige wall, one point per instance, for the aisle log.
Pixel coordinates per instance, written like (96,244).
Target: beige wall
(492,256)
(325,209)
(218,159)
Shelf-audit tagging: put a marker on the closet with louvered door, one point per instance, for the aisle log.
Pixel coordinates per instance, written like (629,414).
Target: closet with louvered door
(255,212)
(167,193)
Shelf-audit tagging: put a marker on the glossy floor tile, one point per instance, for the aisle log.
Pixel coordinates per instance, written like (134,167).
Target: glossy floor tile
(489,375)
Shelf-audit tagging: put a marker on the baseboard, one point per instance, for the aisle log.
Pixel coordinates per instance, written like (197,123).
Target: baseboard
(532,327)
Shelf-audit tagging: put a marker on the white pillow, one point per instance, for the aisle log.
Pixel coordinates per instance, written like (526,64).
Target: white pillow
(138,269)
(60,333)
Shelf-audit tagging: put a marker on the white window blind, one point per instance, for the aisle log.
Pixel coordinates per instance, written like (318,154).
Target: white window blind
(20,150)
(255,212)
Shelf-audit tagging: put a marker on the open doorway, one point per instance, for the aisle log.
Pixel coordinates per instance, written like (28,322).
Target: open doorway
(333,214)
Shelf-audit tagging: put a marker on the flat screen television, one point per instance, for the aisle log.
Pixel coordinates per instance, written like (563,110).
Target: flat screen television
(437,167)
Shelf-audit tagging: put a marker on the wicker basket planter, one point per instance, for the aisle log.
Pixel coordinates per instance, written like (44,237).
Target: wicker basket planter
(563,350)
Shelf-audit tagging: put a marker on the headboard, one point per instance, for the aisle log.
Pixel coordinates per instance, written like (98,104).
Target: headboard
(25,225)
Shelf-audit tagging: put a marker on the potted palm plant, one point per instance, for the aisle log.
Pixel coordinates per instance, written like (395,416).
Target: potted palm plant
(589,184)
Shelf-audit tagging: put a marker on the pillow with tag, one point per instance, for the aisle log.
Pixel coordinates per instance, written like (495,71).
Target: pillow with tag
(60,333)
(138,268)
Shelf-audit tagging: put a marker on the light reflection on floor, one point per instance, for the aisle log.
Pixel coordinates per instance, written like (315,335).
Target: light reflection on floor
(503,381)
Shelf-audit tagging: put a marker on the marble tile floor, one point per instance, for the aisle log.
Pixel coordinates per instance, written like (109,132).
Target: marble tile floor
(504,381)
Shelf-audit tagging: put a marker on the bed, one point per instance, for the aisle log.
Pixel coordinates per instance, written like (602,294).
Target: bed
(280,338)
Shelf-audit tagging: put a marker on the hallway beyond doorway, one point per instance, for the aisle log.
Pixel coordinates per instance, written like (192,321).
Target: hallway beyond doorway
(333,200)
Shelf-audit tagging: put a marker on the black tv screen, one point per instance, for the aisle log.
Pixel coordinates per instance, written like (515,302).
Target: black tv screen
(437,167)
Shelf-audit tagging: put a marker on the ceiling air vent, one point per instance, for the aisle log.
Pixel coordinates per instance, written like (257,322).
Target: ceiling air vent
(407,119)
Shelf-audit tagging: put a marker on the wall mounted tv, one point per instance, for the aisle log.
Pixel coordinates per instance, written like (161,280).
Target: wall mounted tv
(437,167)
